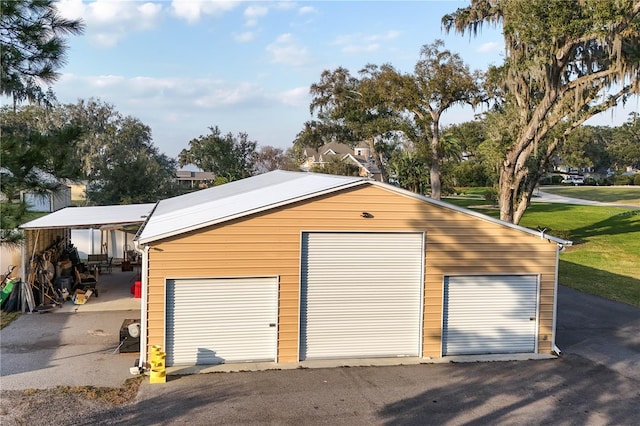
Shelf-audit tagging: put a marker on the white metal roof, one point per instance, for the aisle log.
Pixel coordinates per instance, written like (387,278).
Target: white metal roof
(92,217)
(236,199)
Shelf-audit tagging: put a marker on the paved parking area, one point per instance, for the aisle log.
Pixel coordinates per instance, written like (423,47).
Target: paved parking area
(72,345)
(595,382)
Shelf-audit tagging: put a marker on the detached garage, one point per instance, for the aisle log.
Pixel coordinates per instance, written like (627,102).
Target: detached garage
(287,267)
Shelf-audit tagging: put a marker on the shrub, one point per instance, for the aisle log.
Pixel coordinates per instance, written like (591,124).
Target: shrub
(556,179)
(591,181)
(623,180)
(560,233)
(636,179)
(491,194)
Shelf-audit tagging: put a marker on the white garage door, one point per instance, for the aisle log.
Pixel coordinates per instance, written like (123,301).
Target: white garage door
(213,321)
(361,295)
(490,314)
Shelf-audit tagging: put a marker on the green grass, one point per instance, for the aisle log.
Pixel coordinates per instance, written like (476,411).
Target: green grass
(629,195)
(477,191)
(605,257)
(7,318)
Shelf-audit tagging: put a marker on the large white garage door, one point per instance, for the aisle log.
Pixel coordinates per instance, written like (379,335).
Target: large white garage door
(491,314)
(361,295)
(213,321)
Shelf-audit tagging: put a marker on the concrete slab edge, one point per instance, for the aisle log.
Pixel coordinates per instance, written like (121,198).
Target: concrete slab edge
(337,363)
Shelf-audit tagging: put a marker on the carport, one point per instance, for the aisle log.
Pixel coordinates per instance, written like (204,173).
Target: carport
(52,234)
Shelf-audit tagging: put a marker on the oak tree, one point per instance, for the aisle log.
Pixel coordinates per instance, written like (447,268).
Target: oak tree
(565,61)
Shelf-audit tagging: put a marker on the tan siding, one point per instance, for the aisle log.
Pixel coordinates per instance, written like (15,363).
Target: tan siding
(268,244)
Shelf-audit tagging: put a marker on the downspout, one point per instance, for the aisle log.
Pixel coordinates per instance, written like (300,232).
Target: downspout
(144,276)
(555,348)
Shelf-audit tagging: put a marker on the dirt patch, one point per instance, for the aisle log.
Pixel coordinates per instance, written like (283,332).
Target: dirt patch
(64,404)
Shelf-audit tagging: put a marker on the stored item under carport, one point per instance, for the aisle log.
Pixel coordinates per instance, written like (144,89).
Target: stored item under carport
(130,336)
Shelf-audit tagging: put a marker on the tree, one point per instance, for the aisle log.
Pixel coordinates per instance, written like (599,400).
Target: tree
(625,146)
(131,169)
(587,147)
(111,146)
(270,158)
(353,110)
(469,134)
(565,62)
(411,170)
(227,156)
(32,46)
(33,159)
(336,166)
(440,81)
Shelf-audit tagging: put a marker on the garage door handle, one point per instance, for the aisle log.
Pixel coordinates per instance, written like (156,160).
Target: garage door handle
(273,324)
(532,319)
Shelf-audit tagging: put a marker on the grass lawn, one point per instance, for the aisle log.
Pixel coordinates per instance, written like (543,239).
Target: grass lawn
(605,257)
(628,195)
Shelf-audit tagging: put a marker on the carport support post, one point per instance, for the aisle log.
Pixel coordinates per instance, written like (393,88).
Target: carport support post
(144,277)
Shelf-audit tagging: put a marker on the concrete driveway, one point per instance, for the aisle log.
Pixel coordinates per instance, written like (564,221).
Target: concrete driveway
(541,196)
(74,345)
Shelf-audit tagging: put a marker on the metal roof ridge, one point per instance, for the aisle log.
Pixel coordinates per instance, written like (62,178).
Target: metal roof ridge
(346,182)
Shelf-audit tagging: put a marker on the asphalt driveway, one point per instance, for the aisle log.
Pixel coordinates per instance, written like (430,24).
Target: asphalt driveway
(595,382)
(600,330)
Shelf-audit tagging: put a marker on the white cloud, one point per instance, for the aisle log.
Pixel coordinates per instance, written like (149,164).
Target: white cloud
(193,10)
(306,10)
(178,109)
(364,43)
(298,97)
(152,92)
(253,12)
(363,48)
(108,22)
(286,51)
(489,47)
(244,37)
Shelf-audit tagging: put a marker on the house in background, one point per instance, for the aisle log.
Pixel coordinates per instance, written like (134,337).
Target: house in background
(49,200)
(78,190)
(194,180)
(360,156)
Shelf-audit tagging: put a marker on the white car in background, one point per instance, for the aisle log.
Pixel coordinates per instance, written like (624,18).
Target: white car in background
(574,180)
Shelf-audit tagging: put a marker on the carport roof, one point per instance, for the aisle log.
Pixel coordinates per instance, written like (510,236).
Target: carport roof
(93,217)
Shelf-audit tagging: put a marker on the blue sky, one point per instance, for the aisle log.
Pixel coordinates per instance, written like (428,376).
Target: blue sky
(182,66)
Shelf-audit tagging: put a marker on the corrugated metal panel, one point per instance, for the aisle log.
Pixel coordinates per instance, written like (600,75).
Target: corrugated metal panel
(95,216)
(361,295)
(213,321)
(234,199)
(489,314)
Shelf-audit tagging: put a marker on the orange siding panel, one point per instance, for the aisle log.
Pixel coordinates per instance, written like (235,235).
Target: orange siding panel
(268,244)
